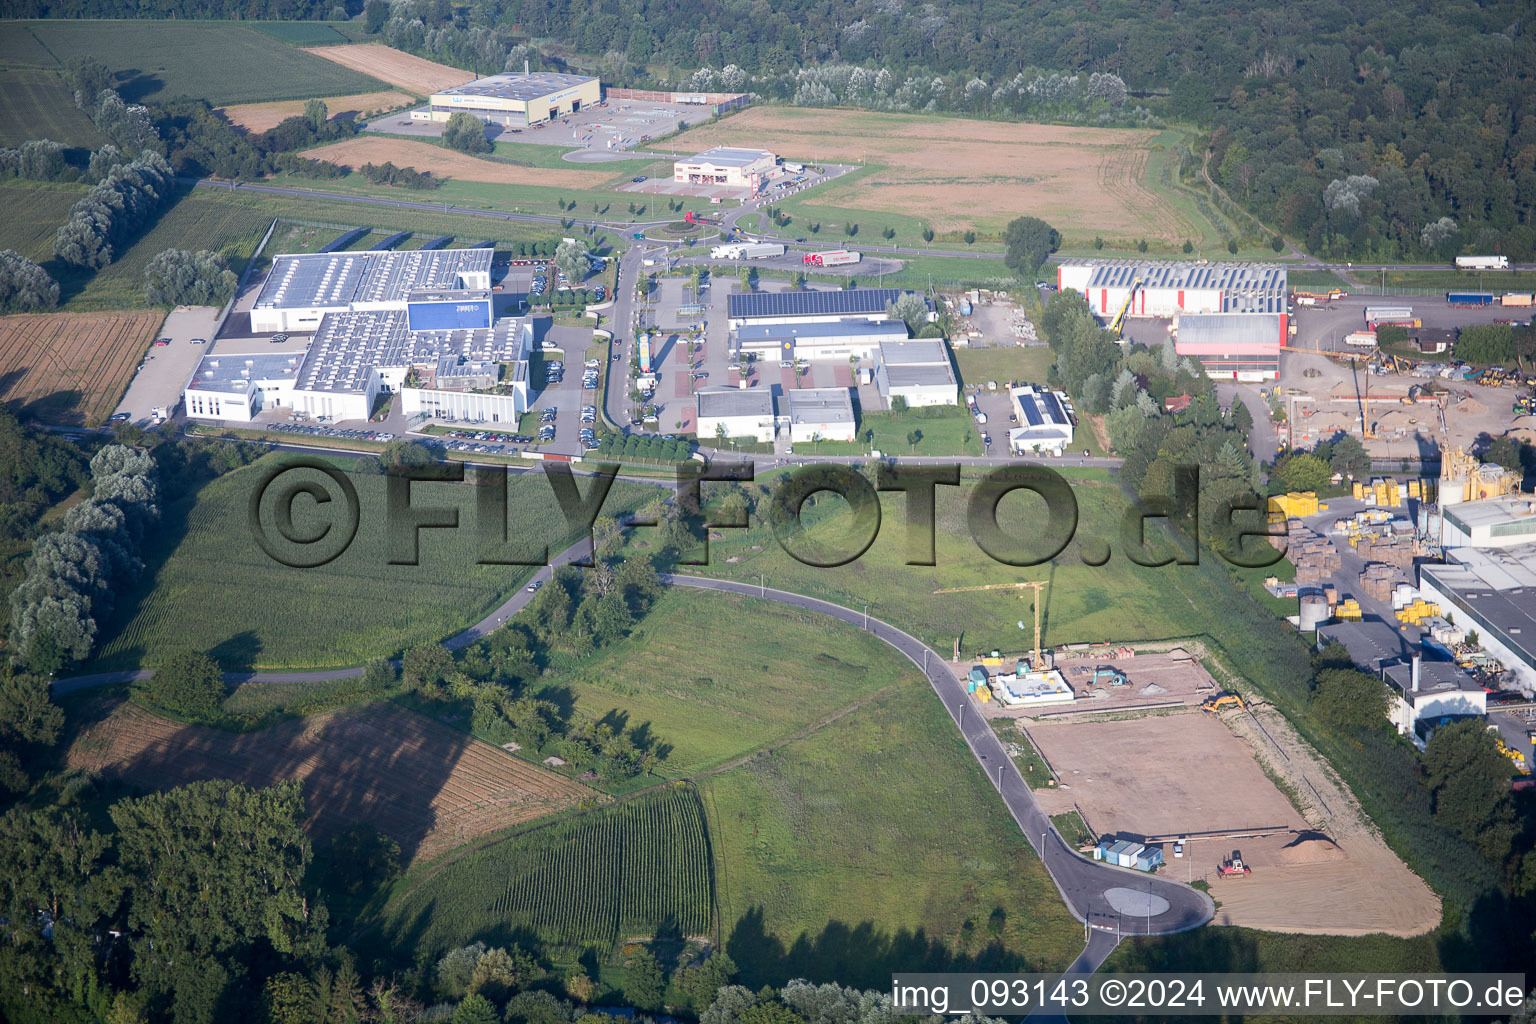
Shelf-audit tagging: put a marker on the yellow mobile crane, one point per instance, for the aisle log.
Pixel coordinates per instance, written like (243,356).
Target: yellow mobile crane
(1038,586)
(1118,323)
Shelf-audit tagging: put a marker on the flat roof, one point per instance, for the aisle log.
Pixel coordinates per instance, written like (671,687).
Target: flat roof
(850,301)
(1434,676)
(515,85)
(1370,643)
(449,295)
(1037,407)
(920,351)
(338,279)
(1244,287)
(722,402)
(232,373)
(348,346)
(1200,332)
(834,329)
(728,156)
(1501,511)
(920,375)
(819,405)
(1497,585)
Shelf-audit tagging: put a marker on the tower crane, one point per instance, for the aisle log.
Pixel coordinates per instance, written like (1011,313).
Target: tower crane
(1038,586)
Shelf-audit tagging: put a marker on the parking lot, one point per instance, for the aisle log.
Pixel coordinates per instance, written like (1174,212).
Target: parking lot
(164,373)
(617,126)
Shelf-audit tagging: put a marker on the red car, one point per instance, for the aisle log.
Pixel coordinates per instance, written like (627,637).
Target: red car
(162,341)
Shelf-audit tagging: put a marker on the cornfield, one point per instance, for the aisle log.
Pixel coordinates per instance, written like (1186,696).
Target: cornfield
(624,869)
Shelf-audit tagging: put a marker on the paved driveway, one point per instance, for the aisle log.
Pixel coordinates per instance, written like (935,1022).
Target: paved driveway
(163,375)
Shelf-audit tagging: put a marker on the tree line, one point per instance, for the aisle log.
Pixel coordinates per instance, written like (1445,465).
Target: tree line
(114,211)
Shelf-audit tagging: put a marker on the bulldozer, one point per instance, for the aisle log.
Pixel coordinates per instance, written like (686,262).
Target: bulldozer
(1110,674)
(1221,702)
(1233,866)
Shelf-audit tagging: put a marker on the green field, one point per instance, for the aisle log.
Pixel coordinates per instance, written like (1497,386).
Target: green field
(1116,602)
(34,212)
(36,104)
(208,586)
(222,62)
(587,879)
(953,433)
(868,846)
(976,366)
(301,33)
(712,703)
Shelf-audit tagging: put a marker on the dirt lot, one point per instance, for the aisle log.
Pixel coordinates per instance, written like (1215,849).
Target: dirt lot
(1188,772)
(72,367)
(1152,679)
(422,77)
(449,164)
(961,173)
(258,117)
(429,787)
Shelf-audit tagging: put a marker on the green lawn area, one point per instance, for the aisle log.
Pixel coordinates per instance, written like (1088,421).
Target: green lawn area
(208,585)
(948,272)
(979,365)
(1449,279)
(36,104)
(222,62)
(1119,601)
(953,433)
(1316,279)
(711,703)
(881,823)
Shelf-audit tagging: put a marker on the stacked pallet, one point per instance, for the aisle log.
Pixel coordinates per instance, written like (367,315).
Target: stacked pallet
(1379,580)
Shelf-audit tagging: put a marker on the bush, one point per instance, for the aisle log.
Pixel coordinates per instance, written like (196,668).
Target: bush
(466,133)
(25,287)
(188,684)
(177,277)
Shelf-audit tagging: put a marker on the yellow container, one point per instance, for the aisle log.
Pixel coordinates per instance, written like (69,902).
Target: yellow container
(1359,489)
(983,694)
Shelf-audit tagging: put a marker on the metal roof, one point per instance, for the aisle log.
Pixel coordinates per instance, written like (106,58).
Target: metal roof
(517,85)
(1510,508)
(907,375)
(336,280)
(922,351)
(819,405)
(721,402)
(313,279)
(1371,644)
(1495,585)
(852,301)
(727,156)
(1434,676)
(834,329)
(1228,330)
(233,373)
(348,346)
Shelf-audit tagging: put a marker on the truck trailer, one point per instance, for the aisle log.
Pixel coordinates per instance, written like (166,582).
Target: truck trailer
(761,250)
(833,258)
(1388,313)
(1361,339)
(1482,262)
(1470,298)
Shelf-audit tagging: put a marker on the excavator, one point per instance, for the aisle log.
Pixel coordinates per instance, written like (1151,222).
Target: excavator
(1221,702)
(1108,672)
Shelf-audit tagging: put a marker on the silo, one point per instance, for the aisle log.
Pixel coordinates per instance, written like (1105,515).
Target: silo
(1313,612)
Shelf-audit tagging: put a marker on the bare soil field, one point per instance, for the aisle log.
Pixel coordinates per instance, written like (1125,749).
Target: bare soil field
(258,117)
(448,163)
(421,76)
(958,173)
(1152,680)
(72,367)
(1189,772)
(427,786)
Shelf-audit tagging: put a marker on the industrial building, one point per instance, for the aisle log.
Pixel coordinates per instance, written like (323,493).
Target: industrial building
(355,357)
(1493,591)
(824,414)
(440,288)
(754,308)
(1503,522)
(1464,478)
(723,165)
(1045,422)
(1425,693)
(1164,288)
(818,341)
(1232,346)
(517,99)
(918,371)
(742,412)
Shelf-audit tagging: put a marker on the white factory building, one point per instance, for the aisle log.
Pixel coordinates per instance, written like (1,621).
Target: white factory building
(1046,423)
(918,371)
(355,357)
(742,412)
(1503,522)
(1429,691)
(812,306)
(1232,346)
(440,287)
(726,166)
(1491,591)
(818,341)
(824,414)
(517,99)
(1163,288)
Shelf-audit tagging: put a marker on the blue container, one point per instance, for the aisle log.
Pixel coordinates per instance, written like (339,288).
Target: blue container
(1470,298)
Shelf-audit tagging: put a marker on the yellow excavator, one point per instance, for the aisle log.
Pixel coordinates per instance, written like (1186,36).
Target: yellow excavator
(1221,702)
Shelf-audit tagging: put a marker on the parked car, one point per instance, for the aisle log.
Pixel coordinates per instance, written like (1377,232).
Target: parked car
(279,337)
(162,342)
(638,178)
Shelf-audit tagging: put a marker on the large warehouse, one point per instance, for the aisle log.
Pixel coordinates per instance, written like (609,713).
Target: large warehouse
(742,412)
(356,356)
(1168,287)
(1492,591)
(1232,346)
(518,99)
(809,306)
(732,168)
(918,371)
(1045,424)
(819,414)
(817,341)
(445,288)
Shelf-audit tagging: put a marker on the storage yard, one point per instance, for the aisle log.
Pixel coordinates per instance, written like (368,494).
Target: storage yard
(1187,773)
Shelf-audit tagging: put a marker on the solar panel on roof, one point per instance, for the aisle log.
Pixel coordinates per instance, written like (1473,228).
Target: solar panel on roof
(857,300)
(1031,411)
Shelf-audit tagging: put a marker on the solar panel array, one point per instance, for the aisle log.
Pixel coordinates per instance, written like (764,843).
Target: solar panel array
(1244,287)
(852,301)
(322,279)
(336,280)
(348,346)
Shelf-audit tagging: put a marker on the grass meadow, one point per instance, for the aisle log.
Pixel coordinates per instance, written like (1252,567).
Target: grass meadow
(36,104)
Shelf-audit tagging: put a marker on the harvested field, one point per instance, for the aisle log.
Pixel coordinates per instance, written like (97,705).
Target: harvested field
(72,367)
(448,163)
(427,786)
(258,117)
(1189,773)
(421,76)
(962,174)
